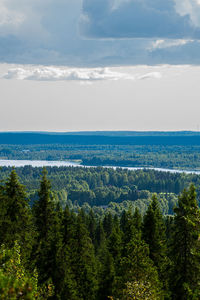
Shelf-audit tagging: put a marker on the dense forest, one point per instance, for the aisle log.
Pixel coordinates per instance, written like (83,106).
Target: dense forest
(107,189)
(48,251)
(99,233)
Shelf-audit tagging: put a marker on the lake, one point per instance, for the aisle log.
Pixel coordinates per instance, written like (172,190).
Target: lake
(47,163)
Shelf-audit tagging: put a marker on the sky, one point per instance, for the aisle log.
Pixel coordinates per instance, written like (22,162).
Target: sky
(70,65)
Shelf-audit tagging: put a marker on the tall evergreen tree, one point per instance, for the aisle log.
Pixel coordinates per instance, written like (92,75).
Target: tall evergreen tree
(185,280)
(66,283)
(100,238)
(128,229)
(154,235)
(48,233)
(83,261)
(137,219)
(16,222)
(108,224)
(44,208)
(136,266)
(106,274)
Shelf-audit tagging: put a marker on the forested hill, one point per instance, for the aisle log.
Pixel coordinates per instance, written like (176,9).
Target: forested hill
(102,138)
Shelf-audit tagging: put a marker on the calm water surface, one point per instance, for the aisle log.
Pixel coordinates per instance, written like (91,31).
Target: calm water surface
(46,163)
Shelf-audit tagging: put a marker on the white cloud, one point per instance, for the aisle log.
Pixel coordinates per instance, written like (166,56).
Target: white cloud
(152,75)
(42,73)
(10,20)
(189,8)
(161,44)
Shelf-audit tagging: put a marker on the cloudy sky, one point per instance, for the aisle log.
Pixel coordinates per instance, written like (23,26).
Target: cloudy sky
(99,64)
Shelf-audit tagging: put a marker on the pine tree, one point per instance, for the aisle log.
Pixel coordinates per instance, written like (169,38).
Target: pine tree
(137,219)
(44,208)
(114,244)
(82,260)
(106,274)
(48,233)
(127,226)
(91,224)
(108,224)
(137,267)
(154,235)
(16,221)
(185,278)
(66,283)
(99,236)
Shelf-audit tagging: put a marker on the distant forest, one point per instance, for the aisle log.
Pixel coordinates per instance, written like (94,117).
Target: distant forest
(173,150)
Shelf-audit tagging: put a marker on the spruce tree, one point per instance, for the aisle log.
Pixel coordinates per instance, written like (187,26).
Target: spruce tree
(106,274)
(99,237)
(154,235)
(48,235)
(83,263)
(185,279)
(108,224)
(66,283)
(16,221)
(137,219)
(137,267)
(114,244)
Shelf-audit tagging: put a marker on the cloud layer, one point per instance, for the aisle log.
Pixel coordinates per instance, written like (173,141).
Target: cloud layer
(141,18)
(42,73)
(99,32)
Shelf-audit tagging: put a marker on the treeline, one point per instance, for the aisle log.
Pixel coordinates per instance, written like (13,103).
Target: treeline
(47,252)
(186,156)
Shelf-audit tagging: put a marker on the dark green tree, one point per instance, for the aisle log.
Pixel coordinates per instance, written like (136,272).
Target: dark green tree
(15,216)
(106,274)
(137,219)
(83,263)
(49,238)
(185,280)
(137,267)
(100,238)
(154,235)
(108,224)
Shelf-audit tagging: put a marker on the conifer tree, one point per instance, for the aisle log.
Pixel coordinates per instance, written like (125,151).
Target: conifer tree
(66,283)
(48,236)
(185,280)
(92,226)
(106,274)
(108,224)
(83,261)
(16,221)
(114,245)
(44,208)
(137,219)
(137,267)
(99,237)
(154,235)
(127,225)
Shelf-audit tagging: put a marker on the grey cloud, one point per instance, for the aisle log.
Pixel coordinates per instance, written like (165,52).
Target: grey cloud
(92,32)
(136,18)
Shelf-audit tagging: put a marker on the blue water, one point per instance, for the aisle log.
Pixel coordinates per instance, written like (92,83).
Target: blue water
(46,163)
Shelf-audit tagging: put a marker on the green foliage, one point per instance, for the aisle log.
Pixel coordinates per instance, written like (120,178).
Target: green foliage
(139,290)
(48,252)
(15,283)
(185,253)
